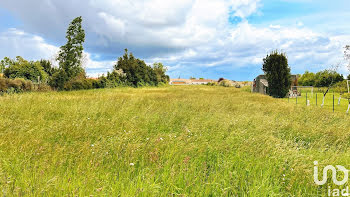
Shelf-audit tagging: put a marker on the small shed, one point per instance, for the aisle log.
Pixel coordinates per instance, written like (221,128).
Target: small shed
(260,84)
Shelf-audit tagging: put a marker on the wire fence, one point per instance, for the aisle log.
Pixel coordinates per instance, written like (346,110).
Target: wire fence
(332,100)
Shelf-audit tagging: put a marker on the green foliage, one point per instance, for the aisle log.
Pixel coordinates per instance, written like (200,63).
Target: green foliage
(100,83)
(327,78)
(70,59)
(116,78)
(48,68)
(21,68)
(70,54)
(132,71)
(323,78)
(277,73)
(58,80)
(348,78)
(341,86)
(307,79)
(160,71)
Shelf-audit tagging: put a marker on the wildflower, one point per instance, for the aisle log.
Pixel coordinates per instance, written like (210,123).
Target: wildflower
(161,139)
(92,145)
(132,164)
(147,138)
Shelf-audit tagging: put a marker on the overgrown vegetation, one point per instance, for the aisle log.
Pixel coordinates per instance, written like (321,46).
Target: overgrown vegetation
(175,140)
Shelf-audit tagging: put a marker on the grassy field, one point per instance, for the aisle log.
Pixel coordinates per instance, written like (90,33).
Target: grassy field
(170,141)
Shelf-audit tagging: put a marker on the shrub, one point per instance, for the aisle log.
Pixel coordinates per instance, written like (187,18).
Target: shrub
(226,83)
(3,85)
(44,88)
(212,84)
(79,84)
(58,80)
(341,86)
(21,68)
(15,85)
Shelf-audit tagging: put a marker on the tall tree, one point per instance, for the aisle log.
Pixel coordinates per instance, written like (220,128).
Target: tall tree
(71,54)
(277,74)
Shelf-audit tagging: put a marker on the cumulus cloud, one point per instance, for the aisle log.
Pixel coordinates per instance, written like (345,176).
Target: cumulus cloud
(15,42)
(184,34)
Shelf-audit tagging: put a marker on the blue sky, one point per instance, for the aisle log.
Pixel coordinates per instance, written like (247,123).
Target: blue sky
(200,38)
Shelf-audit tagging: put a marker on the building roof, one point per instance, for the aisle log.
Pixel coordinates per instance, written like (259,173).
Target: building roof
(202,80)
(264,82)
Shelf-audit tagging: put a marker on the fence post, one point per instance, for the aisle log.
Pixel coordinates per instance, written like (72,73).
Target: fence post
(333,101)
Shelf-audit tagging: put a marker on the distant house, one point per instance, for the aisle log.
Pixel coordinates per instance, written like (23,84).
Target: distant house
(190,81)
(261,85)
(180,82)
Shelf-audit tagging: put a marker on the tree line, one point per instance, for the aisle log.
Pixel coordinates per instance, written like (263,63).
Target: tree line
(320,79)
(20,75)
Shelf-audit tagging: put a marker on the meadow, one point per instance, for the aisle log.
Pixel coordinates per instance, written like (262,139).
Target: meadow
(166,141)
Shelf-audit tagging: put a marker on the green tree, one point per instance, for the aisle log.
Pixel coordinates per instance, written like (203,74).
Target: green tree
(277,73)
(21,68)
(307,79)
(326,78)
(70,54)
(160,70)
(48,68)
(136,72)
(348,77)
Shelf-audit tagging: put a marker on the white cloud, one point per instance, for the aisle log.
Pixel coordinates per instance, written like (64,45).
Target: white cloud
(15,42)
(182,33)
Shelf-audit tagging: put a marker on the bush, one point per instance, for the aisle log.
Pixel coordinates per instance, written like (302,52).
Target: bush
(79,84)
(21,68)
(341,86)
(15,85)
(58,80)
(212,84)
(44,88)
(3,85)
(226,83)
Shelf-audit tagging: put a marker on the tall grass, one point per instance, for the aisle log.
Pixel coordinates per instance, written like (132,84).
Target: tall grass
(169,141)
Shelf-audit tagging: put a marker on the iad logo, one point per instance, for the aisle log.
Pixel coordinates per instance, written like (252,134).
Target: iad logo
(335,192)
